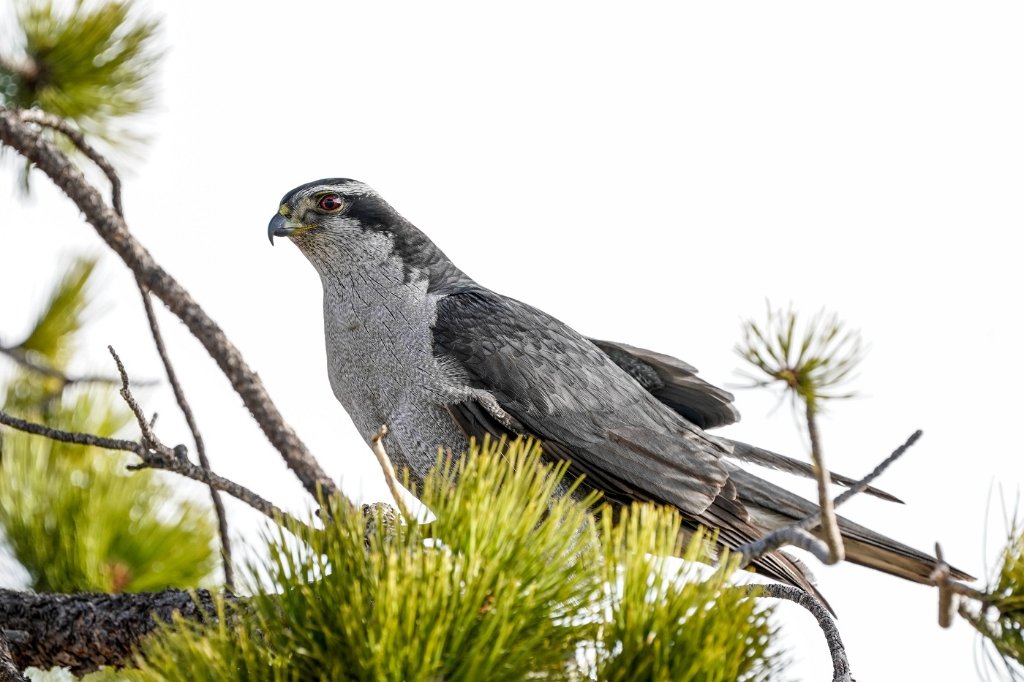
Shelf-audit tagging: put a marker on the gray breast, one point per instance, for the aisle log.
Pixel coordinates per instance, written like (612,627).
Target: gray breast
(377,326)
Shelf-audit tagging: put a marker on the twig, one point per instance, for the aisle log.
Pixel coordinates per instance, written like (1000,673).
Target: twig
(48,120)
(197,438)
(794,536)
(149,439)
(27,141)
(840,663)
(829,523)
(781,537)
(377,445)
(863,484)
(22,358)
(159,457)
(73,437)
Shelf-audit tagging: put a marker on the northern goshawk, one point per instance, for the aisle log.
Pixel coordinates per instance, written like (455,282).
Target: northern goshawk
(413,342)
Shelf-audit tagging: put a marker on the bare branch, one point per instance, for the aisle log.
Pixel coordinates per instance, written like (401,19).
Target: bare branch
(780,537)
(26,140)
(149,439)
(790,535)
(71,436)
(163,458)
(197,438)
(377,445)
(840,663)
(864,483)
(48,120)
(22,358)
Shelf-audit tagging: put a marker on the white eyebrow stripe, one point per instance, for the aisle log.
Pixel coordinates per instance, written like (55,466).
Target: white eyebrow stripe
(353,188)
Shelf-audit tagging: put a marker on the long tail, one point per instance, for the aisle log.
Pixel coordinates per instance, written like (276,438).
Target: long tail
(772,507)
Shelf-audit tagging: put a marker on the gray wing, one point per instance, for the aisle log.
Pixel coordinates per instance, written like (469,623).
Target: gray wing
(564,390)
(559,387)
(676,384)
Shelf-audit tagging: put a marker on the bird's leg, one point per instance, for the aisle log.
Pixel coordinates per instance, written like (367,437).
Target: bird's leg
(495,410)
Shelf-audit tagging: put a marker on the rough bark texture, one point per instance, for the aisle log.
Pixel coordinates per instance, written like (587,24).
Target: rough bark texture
(86,631)
(26,140)
(8,671)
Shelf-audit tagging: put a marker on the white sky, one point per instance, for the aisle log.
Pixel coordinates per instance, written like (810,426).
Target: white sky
(650,174)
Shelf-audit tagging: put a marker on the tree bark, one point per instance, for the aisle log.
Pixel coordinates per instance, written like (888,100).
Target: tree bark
(86,631)
(8,671)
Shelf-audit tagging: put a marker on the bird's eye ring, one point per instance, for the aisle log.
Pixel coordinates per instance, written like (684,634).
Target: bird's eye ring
(330,202)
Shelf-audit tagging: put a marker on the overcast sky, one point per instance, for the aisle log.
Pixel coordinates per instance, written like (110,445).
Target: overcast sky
(649,173)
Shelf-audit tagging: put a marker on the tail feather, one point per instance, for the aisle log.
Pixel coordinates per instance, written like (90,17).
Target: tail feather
(773,507)
(773,460)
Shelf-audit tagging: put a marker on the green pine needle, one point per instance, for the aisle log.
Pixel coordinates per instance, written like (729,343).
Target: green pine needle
(810,361)
(62,316)
(511,581)
(74,517)
(90,63)
(672,626)
(1001,620)
(77,520)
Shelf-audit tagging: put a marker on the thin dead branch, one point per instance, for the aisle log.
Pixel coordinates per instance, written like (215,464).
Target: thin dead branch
(149,439)
(76,137)
(377,445)
(197,438)
(22,358)
(158,457)
(840,662)
(790,536)
(864,483)
(19,131)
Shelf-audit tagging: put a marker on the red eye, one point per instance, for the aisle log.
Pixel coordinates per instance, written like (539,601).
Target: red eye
(330,202)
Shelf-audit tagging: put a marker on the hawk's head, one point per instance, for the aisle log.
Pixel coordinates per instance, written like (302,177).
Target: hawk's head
(342,224)
(329,206)
(336,220)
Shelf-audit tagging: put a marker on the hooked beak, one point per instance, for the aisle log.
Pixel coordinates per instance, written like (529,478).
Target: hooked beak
(280,226)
